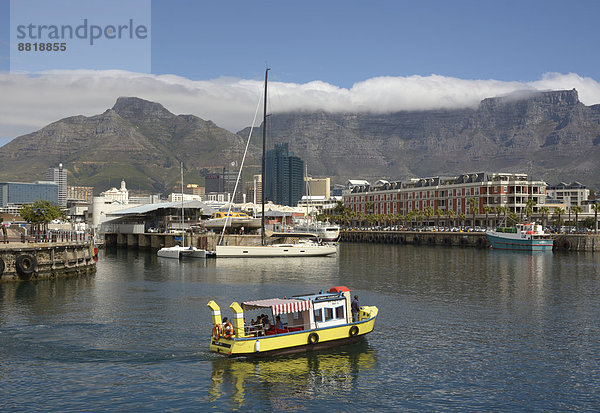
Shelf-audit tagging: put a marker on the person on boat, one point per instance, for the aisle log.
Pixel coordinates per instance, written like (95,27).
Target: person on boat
(227,328)
(355,306)
(278,323)
(266,323)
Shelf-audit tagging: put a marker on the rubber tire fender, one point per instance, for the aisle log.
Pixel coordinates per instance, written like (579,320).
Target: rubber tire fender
(313,338)
(25,265)
(353,331)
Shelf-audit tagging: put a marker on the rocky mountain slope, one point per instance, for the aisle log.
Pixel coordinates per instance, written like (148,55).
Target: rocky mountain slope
(137,140)
(551,135)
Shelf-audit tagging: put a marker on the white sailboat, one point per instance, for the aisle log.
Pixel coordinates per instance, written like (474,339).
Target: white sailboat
(178,251)
(303,248)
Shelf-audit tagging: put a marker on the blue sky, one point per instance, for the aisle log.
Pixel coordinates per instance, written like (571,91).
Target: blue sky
(207,58)
(343,42)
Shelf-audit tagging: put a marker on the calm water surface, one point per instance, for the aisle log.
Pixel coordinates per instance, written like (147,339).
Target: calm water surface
(459,329)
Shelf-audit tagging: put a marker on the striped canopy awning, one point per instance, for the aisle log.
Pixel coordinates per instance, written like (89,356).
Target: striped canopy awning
(279,305)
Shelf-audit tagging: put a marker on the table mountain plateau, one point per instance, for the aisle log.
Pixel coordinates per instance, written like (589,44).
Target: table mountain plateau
(552,135)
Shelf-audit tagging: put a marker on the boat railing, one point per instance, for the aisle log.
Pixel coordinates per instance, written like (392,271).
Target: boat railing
(258,330)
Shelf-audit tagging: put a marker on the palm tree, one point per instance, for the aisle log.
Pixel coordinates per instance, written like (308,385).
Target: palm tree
(461,219)
(577,210)
(369,207)
(513,217)
(558,212)
(544,211)
(428,212)
(502,209)
(450,214)
(498,211)
(438,212)
(487,210)
(596,209)
(473,208)
(529,205)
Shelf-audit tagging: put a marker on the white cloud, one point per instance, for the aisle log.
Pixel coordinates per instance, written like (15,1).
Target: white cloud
(29,102)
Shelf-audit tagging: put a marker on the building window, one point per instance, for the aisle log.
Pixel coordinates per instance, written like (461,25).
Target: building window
(318,315)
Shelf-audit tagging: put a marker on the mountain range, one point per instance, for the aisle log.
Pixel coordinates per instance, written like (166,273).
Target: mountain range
(550,135)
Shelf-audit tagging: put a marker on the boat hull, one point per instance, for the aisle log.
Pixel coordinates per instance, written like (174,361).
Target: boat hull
(518,244)
(218,223)
(179,252)
(294,250)
(296,342)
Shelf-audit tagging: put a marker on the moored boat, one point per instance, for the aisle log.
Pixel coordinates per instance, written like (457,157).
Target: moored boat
(177,251)
(274,250)
(299,249)
(313,321)
(522,237)
(231,219)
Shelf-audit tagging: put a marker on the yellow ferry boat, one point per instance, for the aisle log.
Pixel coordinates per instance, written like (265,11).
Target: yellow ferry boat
(313,321)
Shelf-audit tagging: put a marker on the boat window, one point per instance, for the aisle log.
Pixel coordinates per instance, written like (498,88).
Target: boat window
(318,315)
(339,312)
(296,316)
(328,314)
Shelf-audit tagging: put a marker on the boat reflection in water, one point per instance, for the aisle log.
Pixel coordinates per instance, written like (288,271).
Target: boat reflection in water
(286,379)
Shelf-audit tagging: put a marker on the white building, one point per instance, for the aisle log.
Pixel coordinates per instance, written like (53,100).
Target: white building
(176,197)
(120,195)
(59,175)
(573,194)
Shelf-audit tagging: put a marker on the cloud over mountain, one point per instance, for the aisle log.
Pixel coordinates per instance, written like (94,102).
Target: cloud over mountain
(28,102)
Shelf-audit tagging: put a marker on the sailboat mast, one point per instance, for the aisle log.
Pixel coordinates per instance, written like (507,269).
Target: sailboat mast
(306,192)
(263,184)
(182,210)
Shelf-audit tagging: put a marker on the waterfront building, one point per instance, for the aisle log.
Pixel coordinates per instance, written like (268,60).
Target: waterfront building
(145,199)
(13,195)
(319,186)
(59,176)
(120,195)
(337,190)
(223,183)
(195,189)
(284,176)
(254,189)
(573,194)
(448,193)
(78,194)
(319,204)
(177,197)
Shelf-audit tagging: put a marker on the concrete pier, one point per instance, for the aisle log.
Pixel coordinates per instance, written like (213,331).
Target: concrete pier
(562,242)
(35,261)
(207,241)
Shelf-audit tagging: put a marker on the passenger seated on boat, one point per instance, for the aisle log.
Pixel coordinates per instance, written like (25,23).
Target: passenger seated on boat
(278,323)
(227,328)
(266,323)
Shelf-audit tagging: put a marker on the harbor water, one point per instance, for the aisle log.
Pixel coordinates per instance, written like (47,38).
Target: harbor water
(458,329)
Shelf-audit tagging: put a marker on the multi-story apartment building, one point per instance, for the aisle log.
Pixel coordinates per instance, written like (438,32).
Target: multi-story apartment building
(573,194)
(284,176)
(59,175)
(447,193)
